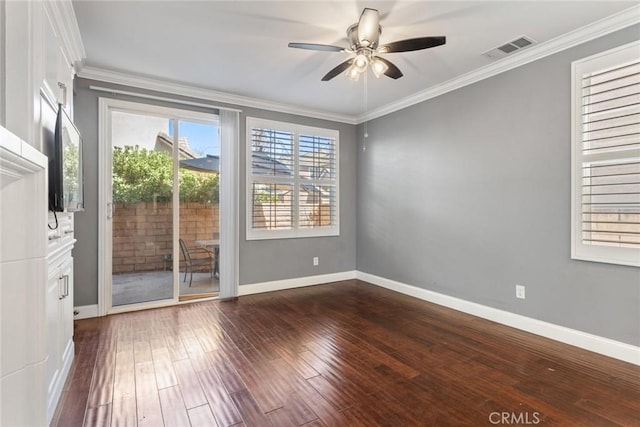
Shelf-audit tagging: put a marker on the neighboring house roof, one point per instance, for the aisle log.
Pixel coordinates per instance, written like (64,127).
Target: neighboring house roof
(165,143)
(208,164)
(264,164)
(317,164)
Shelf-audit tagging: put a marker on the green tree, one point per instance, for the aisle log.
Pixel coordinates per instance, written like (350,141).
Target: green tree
(141,175)
(70,172)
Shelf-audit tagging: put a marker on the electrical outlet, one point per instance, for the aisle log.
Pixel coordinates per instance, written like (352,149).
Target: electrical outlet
(520,291)
(316,261)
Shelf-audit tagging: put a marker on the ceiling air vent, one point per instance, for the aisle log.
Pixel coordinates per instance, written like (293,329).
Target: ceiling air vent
(509,48)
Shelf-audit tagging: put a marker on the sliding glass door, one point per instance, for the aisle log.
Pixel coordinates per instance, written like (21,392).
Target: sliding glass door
(142,212)
(199,234)
(162,226)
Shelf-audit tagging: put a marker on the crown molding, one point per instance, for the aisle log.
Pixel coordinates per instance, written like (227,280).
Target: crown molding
(157,85)
(64,18)
(589,32)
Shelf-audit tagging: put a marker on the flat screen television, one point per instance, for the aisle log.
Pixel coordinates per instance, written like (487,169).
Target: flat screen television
(64,150)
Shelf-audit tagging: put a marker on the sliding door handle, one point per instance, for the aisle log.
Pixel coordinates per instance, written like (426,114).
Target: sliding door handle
(109,210)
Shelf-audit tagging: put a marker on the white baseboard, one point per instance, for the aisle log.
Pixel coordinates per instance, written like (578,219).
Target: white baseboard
(597,344)
(298,282)
(85,311)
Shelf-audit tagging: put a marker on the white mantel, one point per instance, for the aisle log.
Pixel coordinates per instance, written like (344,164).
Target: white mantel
(17,158)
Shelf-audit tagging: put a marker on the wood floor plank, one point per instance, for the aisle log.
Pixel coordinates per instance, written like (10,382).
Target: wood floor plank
(102,382)
(202,417)
(220,402)
(72,410)
(141,351)
(332,393)
(124,385)
(252,414)
(209,337)
(292,357)
(99,416)
(174,412)
(147,399)
(123,413)
(342,354)
(77,389)
(225,370)
(176,347)
(189,384)
(298,410)
(281,418)
(192,345)
(163,368)
(256,385)
(319,406)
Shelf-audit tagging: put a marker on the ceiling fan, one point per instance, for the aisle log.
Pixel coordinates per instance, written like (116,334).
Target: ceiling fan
(364,36)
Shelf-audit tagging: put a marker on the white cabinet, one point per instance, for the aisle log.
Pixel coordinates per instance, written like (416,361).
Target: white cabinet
(40,45)
(23,274)
(59,302)
(57,68)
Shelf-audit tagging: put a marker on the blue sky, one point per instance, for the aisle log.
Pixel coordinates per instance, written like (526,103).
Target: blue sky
(203,138)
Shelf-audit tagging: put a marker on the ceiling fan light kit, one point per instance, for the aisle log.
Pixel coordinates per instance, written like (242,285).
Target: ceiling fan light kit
(364,37)
(378,67)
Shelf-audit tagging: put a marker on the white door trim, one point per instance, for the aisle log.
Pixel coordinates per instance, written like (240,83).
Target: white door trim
(104,197)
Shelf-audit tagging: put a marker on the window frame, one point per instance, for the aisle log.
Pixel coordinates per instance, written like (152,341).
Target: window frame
(629,256)
(295,231)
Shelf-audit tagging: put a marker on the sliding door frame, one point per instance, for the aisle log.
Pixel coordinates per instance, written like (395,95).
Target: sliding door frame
(105,202)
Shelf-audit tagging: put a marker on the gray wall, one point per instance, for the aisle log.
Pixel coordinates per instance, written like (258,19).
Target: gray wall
(260,261)
(468,194)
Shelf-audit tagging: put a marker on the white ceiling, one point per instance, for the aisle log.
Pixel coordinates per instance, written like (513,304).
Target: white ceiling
(240,47)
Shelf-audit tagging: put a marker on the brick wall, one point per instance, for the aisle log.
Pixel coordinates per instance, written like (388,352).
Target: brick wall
(142,233)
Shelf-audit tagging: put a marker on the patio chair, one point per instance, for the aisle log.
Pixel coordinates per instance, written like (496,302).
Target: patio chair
(198,262)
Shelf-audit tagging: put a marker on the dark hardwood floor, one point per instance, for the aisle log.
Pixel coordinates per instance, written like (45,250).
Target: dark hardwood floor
(342,354)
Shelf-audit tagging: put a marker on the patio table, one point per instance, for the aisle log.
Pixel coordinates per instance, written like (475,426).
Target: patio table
(214,246)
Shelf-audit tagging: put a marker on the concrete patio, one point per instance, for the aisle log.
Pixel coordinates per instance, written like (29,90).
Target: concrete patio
(131,288)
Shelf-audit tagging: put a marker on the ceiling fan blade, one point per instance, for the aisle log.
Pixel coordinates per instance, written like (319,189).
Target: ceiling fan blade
(337,70)
(320,47)
(369,28)
(409,45)
(393,71)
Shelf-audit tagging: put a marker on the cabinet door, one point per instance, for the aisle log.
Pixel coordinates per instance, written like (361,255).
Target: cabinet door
(54,288)
(57,68)
(66,314)
(65,82)
(51,53)
(59,328)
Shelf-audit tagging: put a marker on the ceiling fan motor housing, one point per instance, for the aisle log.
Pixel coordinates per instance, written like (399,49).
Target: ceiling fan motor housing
(354,39)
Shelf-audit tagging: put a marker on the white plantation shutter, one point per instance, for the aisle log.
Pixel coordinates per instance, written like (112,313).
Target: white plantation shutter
(317,161)
(606,157)
(292,180)
(272,179)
